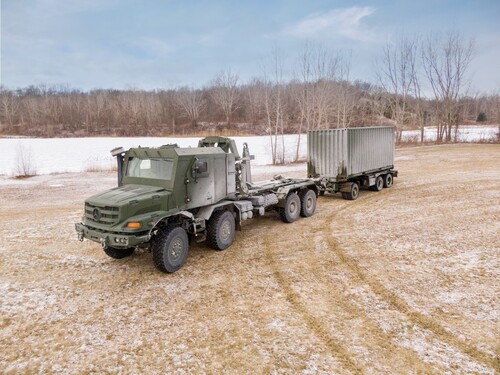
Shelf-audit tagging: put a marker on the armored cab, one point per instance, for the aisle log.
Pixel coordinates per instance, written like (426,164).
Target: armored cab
(196,177)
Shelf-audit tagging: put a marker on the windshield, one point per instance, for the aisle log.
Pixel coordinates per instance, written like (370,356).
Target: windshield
(158,169)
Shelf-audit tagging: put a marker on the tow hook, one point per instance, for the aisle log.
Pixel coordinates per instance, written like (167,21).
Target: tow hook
(103,243)
(80,236)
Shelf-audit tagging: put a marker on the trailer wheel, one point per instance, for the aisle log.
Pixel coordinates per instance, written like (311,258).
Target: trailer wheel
(379,184)
(307,202)
(170,249)
(388,180)
(118,253)
(354,193)
(220,230)
(291,211)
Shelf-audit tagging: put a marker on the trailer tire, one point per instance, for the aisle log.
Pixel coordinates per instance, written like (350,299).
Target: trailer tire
(388,180)
(354,193)
(307,202)
(379,184)
(221,230)
(115,253)
(170,249)
(291,211)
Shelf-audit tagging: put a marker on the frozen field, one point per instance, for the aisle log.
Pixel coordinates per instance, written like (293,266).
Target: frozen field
(403,281)
(465,134)
(58,155)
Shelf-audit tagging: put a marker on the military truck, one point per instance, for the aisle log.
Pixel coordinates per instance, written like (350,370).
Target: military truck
(167,195)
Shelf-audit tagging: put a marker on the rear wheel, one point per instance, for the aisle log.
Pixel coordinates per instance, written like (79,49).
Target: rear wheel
(379,184)
(115,253)
(170,249)
(388,180)
(353,194)
(307,202)
(221,230)
(291,211)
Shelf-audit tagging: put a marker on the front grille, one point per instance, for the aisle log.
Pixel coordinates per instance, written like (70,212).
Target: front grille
(107,215)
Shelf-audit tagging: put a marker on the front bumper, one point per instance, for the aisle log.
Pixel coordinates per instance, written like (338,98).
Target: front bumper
(106,239)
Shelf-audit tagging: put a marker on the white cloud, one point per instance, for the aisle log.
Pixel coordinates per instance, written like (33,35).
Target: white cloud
(346,22)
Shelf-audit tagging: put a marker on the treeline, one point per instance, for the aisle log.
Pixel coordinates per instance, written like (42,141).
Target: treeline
(58,111)
(320,95)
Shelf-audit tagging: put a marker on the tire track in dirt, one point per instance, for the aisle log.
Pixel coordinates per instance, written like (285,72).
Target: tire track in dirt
(397,302)
(341,353)
(383,340)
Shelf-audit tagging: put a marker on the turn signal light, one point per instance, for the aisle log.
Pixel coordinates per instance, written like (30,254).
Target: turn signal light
(133,225)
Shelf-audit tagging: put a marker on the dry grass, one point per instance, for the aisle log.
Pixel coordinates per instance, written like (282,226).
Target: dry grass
(400,281)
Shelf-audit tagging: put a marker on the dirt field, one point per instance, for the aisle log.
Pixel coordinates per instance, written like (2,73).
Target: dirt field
(401,281)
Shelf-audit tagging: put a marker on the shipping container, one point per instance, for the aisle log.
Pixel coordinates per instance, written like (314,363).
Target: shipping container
(337,158)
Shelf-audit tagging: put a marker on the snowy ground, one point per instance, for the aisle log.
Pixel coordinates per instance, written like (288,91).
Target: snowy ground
(58,155)
(405,280)
(466,133)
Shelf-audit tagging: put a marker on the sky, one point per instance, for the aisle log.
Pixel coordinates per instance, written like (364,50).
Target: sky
(161,44)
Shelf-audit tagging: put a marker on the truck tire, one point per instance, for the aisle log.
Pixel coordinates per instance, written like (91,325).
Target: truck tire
(379,184)
(291,211)
(170,249)
(353,194)
(118,253)
(307,202)
(221,230)
(388,180)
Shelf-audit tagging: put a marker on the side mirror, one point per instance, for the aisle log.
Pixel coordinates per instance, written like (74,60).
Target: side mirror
(200,166)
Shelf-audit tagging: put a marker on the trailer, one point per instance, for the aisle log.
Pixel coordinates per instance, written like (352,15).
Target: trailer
(345,160)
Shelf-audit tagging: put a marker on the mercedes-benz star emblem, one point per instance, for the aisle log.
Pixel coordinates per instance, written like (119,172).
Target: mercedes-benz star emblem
(96,214)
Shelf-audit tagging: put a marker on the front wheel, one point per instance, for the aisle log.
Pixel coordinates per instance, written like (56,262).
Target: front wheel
(115,253)
(170,249)
(221,230)
(291,211)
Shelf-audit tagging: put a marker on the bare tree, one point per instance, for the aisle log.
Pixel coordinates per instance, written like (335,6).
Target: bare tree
(345,94)
(397,75)
(254,95)
(225,93)
(274,104)
(445,62)
(321,89)
(191,102)
(9,106)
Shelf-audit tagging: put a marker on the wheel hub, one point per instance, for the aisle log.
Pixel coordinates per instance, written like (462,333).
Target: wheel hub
(225,230)
(176,249)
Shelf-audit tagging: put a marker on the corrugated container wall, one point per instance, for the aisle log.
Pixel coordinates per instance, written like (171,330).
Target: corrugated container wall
(344,153)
